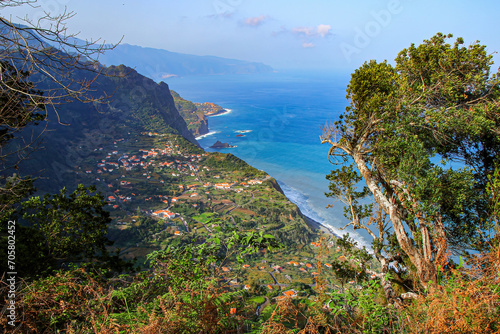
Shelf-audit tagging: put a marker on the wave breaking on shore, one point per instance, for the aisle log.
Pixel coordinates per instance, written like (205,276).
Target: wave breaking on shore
(301,200)
(211,133)
(227,111)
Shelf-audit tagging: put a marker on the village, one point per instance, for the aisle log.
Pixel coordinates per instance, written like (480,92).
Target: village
(182,193)
(178,165)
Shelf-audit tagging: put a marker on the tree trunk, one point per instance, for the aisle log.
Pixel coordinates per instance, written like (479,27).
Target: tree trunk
(390,294)
(426,270)
(421,259)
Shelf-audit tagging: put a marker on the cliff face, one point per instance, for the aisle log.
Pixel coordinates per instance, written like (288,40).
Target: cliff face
(203,128)
(143,100)
(195,118)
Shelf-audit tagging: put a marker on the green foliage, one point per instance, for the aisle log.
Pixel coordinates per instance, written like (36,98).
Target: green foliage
(343,183)
(361,309)
(73,225)
(377,318)
(352,264)
(229,162)
(427,106)
(141,231)
(13,191)
(212,252)
(493,191)
(450,105)
(423,136)
(59,230)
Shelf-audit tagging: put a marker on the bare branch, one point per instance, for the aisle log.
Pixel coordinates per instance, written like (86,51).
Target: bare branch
(38,62)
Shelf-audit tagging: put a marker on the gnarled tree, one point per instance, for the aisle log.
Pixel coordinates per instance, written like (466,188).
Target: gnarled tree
(423,136)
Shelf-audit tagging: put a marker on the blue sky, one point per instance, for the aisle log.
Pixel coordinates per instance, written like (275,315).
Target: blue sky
(314,34)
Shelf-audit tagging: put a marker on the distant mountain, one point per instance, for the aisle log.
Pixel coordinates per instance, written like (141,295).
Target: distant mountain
(160,64)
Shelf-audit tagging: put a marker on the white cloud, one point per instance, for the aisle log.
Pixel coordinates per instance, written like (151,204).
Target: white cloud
(307,35)
(324,29)
(255,21)
(321,30)
(303,31)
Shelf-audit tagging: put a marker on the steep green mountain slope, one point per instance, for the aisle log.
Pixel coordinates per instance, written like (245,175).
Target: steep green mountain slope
(136,104)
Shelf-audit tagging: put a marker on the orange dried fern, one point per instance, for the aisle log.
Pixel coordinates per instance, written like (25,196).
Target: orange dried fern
(468,301)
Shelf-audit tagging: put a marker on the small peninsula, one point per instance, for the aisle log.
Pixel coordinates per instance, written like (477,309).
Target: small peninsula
(195,114)
(210,109)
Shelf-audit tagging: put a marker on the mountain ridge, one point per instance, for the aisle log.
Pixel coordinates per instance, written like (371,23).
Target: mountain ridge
(160,64)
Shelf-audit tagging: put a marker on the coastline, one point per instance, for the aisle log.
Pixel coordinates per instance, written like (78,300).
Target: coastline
(321,227)
(206,135)
(309,221)
(209,133)
(225,112)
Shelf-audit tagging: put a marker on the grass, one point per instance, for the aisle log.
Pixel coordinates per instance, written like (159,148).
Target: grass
(257,300)
(204,217)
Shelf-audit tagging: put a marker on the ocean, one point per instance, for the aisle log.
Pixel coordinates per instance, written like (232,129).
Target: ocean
(275,121)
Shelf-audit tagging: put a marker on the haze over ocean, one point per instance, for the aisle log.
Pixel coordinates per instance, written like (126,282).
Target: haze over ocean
(284,112)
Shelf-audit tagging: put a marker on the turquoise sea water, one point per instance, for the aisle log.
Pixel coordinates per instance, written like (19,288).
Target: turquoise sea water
(280,115)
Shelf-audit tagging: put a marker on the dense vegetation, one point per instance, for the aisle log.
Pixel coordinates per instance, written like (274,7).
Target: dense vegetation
(424,138)
(226,272)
